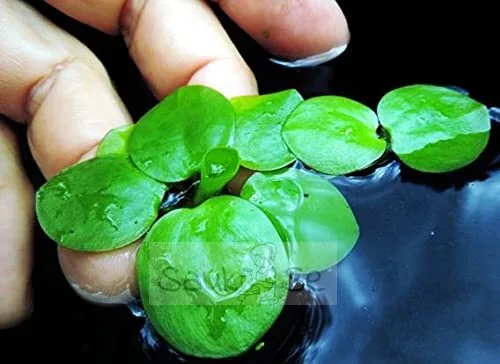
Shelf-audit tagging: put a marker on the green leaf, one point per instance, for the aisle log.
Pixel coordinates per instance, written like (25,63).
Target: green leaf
(213,279)
(447,155)
(310,213)
(115,141)
(98,205)
(219,166)
(169,142)
(334,135)
(259,120)
(434,129)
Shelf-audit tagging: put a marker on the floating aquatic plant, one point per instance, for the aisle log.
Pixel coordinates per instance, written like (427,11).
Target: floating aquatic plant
(169,142)
(334,135)
(316,222)
(218,167)
(213,278)
(434,129)
(99,205)
(116,141)
(259,121)
(213,273)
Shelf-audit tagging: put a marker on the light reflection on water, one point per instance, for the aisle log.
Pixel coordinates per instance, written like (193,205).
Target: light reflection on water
(494,113)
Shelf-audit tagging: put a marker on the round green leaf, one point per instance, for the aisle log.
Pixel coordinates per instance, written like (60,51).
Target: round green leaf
(310,213)
(115,141)
(98,205)
(219,166)
(259,120)
(169,142)
(434,129)
(334,135)
(213,279)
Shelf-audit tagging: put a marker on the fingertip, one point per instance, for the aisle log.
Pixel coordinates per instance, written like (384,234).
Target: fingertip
(292,29)
(102,15)
(18,311)
(313,60)
(106,278)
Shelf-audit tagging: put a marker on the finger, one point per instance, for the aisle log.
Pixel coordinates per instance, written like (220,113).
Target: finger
(174,43)
(16,200)
(60,68)
(307,31)
(179,42)
(103,278)
(51,81)
(102,15)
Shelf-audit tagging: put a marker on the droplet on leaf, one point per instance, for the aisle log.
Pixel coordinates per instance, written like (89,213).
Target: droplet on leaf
(80,207)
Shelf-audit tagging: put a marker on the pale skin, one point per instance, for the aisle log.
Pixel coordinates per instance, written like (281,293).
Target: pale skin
(55,85)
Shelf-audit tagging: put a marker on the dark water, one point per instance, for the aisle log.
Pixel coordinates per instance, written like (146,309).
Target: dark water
(423,283)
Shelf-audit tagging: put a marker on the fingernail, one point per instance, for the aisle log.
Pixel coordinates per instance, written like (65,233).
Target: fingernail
(314,60)
(99,298)
(102,278)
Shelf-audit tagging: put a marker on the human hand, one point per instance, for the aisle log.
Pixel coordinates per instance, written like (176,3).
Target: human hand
(54,84)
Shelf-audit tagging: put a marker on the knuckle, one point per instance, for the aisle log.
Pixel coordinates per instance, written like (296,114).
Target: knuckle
(40,90)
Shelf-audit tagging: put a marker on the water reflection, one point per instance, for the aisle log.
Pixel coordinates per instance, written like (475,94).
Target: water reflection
(494,113)
(356,283)
(373,185)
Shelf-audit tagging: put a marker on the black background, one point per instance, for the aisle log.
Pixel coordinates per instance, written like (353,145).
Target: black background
(393,44)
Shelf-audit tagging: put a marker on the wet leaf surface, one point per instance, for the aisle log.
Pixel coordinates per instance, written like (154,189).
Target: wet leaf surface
(98,205)
(213,279)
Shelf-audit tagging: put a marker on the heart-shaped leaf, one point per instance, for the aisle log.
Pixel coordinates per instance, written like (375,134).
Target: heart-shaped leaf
(434,129)
(98,205)
(310,213)
(115,141)
(169,142)
(334,135)
(218,167)
(213,279)
(259,120)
